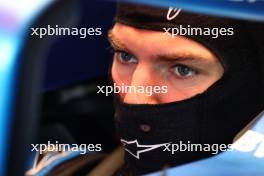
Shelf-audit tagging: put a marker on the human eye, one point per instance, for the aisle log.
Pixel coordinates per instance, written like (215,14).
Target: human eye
(125,57)
(183,72)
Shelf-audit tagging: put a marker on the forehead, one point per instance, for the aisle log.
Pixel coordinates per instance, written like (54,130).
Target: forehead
(153,42)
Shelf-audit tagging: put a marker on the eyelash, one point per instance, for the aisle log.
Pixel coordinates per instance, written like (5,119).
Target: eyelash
(194,71)
(130,60)
(111,50)
(117,52)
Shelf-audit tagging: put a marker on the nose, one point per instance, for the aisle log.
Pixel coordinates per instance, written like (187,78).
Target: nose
(142,78)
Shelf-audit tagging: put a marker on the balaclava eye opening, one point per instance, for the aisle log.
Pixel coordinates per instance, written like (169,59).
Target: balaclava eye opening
(213,117)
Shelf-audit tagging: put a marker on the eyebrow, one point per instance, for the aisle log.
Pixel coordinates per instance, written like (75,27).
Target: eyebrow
(169,57)
(181,57)
(115,43)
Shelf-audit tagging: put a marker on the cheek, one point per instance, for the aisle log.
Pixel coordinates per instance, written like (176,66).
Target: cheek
(176,93)
(179,90)
(121,75)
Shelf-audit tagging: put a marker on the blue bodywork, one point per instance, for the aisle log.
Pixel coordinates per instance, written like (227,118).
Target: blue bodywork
(15,17)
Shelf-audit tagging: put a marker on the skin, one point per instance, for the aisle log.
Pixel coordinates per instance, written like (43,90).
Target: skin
(149,58)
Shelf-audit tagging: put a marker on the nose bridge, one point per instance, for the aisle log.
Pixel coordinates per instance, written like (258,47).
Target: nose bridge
(142,77)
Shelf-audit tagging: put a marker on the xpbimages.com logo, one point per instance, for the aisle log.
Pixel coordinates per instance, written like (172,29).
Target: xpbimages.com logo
(65,31)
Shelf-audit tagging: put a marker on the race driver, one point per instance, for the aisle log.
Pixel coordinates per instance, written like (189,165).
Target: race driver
(213,84)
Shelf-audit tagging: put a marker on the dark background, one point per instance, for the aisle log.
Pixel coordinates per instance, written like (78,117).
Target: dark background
(72,59)
(72,111)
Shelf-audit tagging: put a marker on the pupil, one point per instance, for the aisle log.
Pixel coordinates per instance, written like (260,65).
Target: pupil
(125,56)
(184,70)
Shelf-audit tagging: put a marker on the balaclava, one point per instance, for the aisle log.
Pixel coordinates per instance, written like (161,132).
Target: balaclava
(212,117)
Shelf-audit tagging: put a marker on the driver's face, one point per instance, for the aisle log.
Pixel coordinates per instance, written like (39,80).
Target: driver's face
(149,58)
